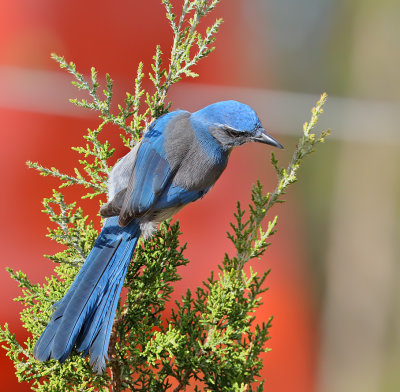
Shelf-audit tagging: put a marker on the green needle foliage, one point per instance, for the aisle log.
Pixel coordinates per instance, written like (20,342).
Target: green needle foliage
(211,339)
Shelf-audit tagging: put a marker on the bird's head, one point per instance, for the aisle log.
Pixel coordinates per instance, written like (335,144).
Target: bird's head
(233,123)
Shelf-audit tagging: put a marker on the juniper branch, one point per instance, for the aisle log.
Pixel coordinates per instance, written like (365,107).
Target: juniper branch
(184,38)
(68,180)
(262,204)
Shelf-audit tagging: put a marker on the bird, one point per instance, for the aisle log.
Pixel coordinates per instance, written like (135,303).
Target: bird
(177,161)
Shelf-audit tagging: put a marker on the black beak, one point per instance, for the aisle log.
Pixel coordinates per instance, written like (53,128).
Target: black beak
(261,136)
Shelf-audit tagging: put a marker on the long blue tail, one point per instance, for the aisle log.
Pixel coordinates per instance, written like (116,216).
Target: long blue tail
(85,315)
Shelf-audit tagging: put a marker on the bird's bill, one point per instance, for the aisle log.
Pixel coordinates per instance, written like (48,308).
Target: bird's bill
(262,136)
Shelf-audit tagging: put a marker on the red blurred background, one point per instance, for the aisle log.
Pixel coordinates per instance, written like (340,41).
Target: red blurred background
(114,39)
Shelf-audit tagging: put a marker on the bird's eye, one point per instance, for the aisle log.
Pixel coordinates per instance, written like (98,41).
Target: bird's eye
(233,132)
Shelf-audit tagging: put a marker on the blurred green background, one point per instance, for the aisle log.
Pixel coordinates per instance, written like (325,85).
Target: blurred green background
(334,289)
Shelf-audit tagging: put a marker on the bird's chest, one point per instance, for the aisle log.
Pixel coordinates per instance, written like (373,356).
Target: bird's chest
(195,158)
(200,167)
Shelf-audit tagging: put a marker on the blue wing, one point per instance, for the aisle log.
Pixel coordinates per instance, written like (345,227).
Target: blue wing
(152,173)
(151,183)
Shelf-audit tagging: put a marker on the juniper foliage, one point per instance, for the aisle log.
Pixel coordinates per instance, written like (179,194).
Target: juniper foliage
(211,339)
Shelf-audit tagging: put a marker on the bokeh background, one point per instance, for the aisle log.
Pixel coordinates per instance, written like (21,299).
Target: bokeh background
(334,289)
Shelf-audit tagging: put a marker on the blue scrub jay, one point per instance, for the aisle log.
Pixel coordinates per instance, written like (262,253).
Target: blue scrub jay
(177,161)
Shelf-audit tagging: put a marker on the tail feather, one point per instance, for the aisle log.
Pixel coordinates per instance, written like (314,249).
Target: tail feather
(94,338)
(99,347)
(42,349)
(85,315)
(86,298)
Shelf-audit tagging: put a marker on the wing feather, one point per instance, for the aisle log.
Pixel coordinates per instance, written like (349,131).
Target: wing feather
(153,171)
